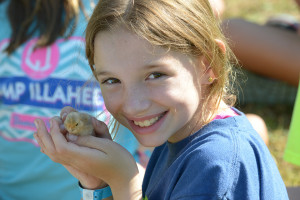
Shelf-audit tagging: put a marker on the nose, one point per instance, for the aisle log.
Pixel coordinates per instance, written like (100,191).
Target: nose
(136,101)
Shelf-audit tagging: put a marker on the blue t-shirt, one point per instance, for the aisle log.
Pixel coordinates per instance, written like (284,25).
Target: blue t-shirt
(37,84)
(226,159)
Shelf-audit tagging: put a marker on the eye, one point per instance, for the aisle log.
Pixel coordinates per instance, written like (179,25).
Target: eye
(111,81)
(155,75)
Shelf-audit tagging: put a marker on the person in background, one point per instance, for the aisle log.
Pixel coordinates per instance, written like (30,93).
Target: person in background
(164,70)
(42,69)
(271,50)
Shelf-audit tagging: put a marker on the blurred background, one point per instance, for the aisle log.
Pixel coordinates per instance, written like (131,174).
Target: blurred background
(277,115)
(259,10)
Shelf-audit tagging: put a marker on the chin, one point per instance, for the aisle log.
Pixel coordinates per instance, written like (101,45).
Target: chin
(149,142)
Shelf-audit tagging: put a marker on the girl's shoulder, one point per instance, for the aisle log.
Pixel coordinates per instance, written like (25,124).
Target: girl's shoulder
(231,155)
(226,158)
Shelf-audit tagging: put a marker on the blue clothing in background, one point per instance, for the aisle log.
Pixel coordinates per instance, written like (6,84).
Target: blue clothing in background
(225,160)
(37,84)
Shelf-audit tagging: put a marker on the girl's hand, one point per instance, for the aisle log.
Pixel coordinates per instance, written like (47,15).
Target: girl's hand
(86,180)
(48,147)
(93,160)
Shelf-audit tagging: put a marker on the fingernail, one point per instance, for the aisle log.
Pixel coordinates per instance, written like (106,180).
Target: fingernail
(62,127)
(36,124)
(72,137)
(63,115)
(96,121)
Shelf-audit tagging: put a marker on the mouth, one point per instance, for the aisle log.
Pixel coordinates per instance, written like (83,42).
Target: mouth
(148,122)
(147,125)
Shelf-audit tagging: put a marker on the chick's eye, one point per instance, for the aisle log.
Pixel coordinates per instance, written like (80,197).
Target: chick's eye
(111,81)
(155,75)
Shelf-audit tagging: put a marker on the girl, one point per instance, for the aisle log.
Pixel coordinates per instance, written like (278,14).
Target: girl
(164,73)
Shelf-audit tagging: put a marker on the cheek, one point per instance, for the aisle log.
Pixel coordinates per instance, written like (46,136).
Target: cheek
(112,101)
(185,99)
(181,93)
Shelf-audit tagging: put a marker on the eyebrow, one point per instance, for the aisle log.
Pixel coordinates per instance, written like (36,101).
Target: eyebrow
(154,65)
(148,66)
(101,73)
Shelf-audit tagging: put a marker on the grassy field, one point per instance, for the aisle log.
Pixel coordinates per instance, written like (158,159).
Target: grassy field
(259,10)
(277,117)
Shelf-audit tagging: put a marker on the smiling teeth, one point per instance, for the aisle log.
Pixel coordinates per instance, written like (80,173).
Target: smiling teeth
(146,123)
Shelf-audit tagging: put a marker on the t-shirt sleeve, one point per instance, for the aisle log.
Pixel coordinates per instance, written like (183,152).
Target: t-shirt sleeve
(207,172)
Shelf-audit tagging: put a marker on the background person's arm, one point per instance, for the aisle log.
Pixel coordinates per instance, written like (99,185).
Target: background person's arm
(264,50)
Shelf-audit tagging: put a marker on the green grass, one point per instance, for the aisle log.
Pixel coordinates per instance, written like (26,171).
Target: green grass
(259,10)
(277,117)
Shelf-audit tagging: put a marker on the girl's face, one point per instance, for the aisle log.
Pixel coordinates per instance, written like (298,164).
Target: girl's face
(151,91)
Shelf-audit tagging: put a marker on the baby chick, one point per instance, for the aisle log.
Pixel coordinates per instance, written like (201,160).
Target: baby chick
(79,123)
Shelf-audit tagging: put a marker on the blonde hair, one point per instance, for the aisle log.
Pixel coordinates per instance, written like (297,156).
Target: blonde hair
(187,26)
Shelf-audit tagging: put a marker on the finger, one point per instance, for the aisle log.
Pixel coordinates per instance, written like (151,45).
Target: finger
(61,125)
(61,151)
(101,144)
(43,135)
(36,137)
(65,111)
(57,136)
(101,129)
(58,119)
(62,144)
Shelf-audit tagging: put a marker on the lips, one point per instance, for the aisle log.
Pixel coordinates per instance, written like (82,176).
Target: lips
(148,124)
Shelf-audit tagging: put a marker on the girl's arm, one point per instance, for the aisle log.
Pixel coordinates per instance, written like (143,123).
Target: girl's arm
(94,161)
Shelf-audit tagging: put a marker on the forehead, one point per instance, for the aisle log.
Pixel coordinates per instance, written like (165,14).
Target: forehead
(122,44)
(120,47)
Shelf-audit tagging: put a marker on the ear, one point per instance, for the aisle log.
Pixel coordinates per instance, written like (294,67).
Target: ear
(208,76)
(221,45)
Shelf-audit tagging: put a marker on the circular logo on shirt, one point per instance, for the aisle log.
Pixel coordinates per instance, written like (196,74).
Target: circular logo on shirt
(39,63)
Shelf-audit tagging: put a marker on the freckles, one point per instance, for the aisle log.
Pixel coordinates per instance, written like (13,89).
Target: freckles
(113,99)
(175,93)
(112,104)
